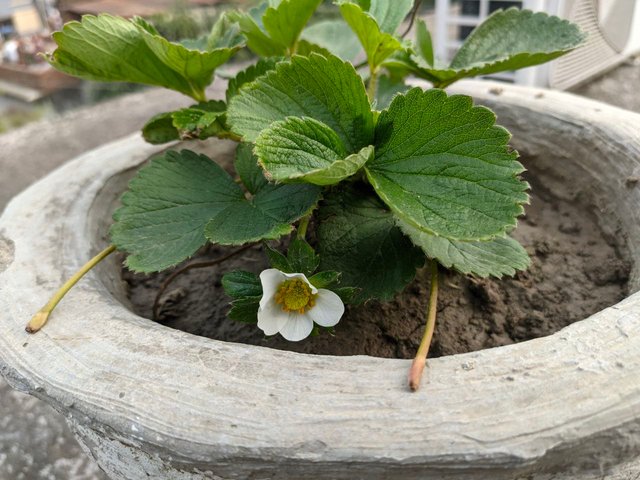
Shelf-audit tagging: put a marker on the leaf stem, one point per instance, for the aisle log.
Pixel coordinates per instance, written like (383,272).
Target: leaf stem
(40,319)
(304,225)
(191,266)
(417,367)
(373,85)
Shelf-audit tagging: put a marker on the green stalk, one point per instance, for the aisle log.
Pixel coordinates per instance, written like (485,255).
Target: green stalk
(417,367)
(40,319)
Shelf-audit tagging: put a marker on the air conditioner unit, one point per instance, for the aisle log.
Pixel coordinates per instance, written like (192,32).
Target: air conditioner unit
(612,26)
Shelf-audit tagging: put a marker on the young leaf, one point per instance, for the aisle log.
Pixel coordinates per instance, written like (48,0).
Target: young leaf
(334,36)
(302,257)
(507,40)
(166,208)
(445,168)
(107,48)
(357,236)
(245,309)
(285,22)
(247,168)
(326,89)
(257,40)
(377,44)
(238,284)
(304,149)
(225,33)
(282,26)
(201,121)
(248,75)
(159,129)
(425,44)
(389,13)
(497,257)
(267,215)
(325,279)
(277,259)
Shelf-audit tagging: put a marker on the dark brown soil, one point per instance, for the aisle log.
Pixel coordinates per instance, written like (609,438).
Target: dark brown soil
(575,272)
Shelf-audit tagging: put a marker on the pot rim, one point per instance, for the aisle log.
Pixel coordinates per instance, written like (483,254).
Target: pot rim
(213,402)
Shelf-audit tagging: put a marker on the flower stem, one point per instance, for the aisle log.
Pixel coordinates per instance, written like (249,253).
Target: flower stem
(40,319)
(417,367)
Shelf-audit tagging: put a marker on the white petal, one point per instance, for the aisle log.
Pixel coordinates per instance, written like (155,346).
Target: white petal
(270,318)
(297,327)
(271,280)
(314,290)
(328,308)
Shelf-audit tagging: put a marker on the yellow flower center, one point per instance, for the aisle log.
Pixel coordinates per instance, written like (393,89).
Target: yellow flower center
(294,295)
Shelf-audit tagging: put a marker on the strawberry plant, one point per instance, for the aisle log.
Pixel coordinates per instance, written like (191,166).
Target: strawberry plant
(388,176)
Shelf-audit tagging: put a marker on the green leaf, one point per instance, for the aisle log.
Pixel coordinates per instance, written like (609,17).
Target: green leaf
(507,40)
(107,48)
(225,33)
(285,22)
(277,259)
(164,212)
(387,89)
(325,279)
(249,75)
(282,25)
(444,167)
(304,149)
(497,257)
(159,129)
(425,44)
(377,44)
(201,121)
(238,284)
(335,36)
(326,89)
(389,13)
(348,294)
(247,168)
(181,198)
(357,236)
(267,215)
(245,309)
(257,40)
(302,257)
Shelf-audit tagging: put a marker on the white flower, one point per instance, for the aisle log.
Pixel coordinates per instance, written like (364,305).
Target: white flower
(290,304)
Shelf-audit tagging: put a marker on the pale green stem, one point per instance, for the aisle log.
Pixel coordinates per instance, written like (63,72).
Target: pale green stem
(417,367)
(40,319)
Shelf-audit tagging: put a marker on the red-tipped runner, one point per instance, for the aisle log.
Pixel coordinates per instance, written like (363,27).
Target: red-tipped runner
(420,360)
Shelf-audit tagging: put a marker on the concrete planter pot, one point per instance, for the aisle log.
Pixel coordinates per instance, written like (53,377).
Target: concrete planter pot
(151,402)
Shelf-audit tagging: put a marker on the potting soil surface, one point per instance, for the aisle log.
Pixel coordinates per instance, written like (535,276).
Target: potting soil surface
(576,270)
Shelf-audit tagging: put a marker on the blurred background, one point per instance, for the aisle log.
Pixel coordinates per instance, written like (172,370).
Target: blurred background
(47,118)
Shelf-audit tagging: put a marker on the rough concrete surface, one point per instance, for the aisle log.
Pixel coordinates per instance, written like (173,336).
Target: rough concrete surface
(35,442)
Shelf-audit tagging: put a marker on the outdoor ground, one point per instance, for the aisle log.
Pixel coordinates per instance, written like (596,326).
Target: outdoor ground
(35,442)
